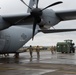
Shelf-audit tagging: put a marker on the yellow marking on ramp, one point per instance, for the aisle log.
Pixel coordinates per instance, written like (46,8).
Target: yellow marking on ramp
(68,72)
(7,68)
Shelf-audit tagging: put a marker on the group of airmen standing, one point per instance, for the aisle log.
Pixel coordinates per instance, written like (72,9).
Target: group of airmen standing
(37,48)
(37,51)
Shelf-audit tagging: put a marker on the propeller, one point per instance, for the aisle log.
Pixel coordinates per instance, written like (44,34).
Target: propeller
(52,5)
(26,4)
(36,13)
(37,4)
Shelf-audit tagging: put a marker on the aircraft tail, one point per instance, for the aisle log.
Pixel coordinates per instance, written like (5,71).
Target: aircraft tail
(32,3)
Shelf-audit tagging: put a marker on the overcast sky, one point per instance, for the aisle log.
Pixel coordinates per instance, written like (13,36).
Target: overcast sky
(16,7)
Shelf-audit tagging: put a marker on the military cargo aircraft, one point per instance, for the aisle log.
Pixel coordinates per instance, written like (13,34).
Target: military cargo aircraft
(12,33)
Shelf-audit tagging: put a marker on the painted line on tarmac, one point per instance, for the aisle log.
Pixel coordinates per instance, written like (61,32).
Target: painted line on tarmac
(35,71)
(38,71)
(68,72)
(1,69)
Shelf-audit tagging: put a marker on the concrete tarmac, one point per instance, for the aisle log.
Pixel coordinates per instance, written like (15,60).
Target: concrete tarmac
(47,64)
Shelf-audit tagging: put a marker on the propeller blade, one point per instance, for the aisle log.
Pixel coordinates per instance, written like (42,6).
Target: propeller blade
(56,30)
(37,4)
(26,4)
(34,27)
(52,5)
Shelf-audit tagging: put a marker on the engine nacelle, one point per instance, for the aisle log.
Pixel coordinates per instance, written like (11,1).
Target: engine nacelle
(3,24)
(49,18)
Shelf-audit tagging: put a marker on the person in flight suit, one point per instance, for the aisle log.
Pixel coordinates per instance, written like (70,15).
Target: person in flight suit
(38,52)
(31,50)
(52,49)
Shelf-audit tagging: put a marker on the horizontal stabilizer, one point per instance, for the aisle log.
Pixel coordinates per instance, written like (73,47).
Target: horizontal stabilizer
(56,30)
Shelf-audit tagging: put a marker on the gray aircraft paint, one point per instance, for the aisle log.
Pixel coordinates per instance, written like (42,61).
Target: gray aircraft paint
(50,18)
(14,38)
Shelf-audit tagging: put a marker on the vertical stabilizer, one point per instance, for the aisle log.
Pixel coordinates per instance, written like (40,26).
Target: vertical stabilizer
(32,3)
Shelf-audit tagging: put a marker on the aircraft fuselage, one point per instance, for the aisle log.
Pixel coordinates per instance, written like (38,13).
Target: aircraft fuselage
(13,38)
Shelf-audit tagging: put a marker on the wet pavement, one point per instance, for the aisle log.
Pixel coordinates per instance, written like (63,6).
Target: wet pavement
(47,64)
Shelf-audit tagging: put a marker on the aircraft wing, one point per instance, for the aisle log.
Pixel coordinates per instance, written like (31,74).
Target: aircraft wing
(19,18)
(14,19)
(56,30)
(66,15)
